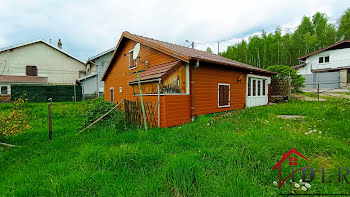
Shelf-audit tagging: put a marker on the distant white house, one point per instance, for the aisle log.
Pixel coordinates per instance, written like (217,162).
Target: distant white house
(327,67)
(95,67)
(38,63)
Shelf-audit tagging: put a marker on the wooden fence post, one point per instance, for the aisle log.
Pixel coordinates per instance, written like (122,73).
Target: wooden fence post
(50,121)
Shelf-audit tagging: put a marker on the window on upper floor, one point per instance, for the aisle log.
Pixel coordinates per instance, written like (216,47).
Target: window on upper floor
(326,59)
(132,62)
(320,60)
(323,59)
(31,71)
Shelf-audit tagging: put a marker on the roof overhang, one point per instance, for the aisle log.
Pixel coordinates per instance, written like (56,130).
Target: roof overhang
(127,35)
(86,77)
(327,48)
(8,79)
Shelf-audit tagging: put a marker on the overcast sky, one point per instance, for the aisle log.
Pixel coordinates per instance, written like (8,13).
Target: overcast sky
(88,27)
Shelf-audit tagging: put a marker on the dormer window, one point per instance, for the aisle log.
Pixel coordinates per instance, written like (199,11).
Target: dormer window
(132,62)
(323,59)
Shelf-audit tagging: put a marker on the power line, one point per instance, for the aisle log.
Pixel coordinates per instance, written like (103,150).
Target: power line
(286,29)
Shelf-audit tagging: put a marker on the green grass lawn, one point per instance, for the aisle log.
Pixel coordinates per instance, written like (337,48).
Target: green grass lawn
(228,154)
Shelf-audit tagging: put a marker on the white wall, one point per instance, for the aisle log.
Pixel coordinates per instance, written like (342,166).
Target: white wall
(337,58)
(51,63)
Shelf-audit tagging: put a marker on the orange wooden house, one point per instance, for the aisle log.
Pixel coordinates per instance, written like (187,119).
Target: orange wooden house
(186,82)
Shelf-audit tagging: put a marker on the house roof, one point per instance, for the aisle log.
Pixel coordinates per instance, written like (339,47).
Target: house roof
(330,69)
(339,45)
(86,77)
(157,72)
(37,41)
(100,54)
(298,66)
(183,53)
(23,79)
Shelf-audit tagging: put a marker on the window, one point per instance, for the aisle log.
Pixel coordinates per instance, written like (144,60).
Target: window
(323,59)
(111,95)
(223,95)
(31,71)
(132,62)
(259,87)
(320,60)
(4,90)
(120,89)
(254,87)
(264,87)
(326,59)
(249,86)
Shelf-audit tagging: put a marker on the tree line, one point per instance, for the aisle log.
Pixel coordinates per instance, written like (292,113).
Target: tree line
(275,48)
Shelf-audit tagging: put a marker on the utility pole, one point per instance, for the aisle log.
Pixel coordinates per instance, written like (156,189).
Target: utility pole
(218,47)
(192,43)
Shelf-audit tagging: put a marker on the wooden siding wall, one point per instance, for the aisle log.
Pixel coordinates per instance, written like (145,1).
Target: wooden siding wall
(170,83)
(175,109)
(166,86)
(205,80)
(5,98)
(119,75)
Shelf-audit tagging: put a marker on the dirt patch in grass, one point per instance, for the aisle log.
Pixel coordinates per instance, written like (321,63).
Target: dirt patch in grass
(290,116)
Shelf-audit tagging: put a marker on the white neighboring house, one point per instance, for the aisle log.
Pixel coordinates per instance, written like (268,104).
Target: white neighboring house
(329,67)
(38,63)
(95,66)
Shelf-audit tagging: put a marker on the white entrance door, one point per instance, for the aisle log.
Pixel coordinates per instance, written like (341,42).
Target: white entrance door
(257,90)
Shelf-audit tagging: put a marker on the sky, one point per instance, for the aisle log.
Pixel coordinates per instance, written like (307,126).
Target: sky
(88,27)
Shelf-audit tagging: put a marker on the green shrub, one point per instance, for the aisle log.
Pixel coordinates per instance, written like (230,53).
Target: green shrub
(98,107)
(284,72)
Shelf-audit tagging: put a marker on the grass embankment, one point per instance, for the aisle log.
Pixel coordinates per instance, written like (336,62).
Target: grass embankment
(226,155)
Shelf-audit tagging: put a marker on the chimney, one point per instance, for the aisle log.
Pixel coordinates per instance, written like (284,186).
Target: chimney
(59,44)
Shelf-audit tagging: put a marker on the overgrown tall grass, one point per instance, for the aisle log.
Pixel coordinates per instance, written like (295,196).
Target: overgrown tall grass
(228,154)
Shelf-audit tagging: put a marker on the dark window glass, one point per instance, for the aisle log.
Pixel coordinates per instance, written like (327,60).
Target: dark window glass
(249,87)
(259,88)
(31,71)
(320,60)
(254,87)
(264,87)
(326,59)
(4,90)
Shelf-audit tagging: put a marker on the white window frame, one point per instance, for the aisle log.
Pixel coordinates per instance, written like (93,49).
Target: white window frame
(131,68)
(229,95)
(324,59)
(8,89)
(111,94)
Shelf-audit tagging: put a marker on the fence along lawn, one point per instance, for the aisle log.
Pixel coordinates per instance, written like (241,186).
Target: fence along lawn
(226,155)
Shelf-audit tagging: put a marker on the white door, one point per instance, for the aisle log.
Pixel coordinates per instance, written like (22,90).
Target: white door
(257,90)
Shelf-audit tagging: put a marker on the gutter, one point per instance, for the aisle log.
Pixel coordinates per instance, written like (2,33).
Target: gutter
(145,81)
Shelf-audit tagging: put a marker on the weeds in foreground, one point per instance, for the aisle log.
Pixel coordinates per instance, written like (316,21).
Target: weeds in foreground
(16,122)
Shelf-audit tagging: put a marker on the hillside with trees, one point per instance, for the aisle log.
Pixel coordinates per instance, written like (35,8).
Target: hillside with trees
(283,49)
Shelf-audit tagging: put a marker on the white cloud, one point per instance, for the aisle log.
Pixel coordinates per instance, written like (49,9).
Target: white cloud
(88,27)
